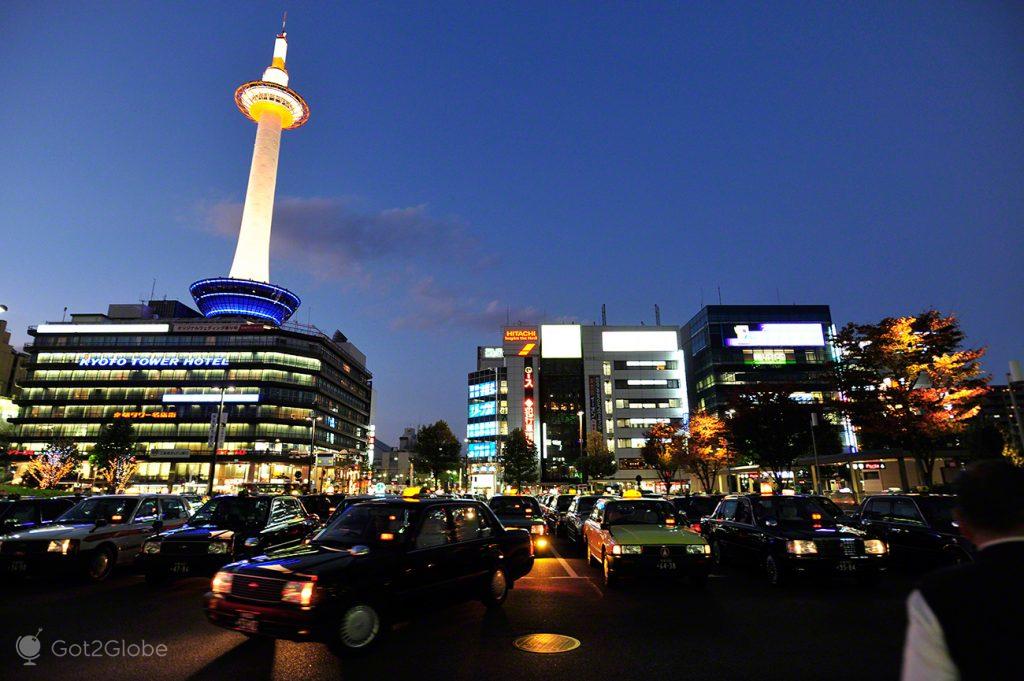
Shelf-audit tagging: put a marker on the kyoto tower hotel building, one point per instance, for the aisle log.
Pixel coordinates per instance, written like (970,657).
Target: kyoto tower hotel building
(293,403)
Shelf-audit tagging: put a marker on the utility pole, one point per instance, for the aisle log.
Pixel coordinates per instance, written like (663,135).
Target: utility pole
(216,441)
(312,451)
(815,472)
(1014,376)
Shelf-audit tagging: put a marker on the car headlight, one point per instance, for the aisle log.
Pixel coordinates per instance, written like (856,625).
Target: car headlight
(217,547)
(61,546)
(222,583)
(875,547)
(801,547)
(538,529)
(151,547)
(300,593)
(630,549)
(703,549)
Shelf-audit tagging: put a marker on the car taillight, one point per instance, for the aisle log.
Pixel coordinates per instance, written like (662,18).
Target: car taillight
(695,527)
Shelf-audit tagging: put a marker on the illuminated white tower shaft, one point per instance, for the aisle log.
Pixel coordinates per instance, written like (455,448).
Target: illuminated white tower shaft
(274,107)
(252,254)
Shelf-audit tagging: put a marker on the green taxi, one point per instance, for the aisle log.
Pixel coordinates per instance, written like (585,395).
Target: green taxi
(639,536)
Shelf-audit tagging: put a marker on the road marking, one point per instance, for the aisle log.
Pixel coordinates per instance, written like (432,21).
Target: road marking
(564,563)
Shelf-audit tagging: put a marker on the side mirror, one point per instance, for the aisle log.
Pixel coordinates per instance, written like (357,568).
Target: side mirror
(251,542)
(771,522)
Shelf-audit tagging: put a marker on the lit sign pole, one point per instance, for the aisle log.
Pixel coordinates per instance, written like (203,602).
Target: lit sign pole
(217,422)
(529,409)
(312,450)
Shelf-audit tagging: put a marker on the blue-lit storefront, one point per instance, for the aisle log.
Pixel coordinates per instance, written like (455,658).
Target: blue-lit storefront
(486,426)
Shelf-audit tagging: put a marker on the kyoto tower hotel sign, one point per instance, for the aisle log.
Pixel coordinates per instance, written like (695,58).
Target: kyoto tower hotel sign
(247,290)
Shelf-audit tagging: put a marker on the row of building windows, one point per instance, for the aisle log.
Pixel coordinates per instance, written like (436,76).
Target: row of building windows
(484,429)
(646,364)
(648,403)
(640,383)
(482,389)
(150,430)
(175,375)
(180,411)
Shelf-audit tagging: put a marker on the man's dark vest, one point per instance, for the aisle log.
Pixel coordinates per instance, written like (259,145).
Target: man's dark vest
(981,609)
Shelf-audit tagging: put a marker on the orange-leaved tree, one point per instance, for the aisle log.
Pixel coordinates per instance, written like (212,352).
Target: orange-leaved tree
(908,383)
(665,451)
(707,448)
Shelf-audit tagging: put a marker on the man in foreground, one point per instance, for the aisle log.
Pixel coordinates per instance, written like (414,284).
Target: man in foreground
(964,622)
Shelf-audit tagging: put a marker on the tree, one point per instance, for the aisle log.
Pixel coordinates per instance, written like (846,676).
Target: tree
(518,460)
(114,455)
(6,435)
(437,449)
(769,428)
(664,451)
(598,462)
(57,460)
(707,448)
(983,439)
(908,383)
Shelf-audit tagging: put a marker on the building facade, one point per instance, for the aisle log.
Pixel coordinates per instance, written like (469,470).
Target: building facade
(288,392)
(557,382)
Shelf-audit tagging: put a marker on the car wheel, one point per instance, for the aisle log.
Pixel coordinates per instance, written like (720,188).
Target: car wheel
(101,564)
(775,572)
(611,580)
(359,627)
(495,589)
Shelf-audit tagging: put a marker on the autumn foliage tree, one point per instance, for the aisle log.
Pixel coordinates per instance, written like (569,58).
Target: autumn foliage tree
(114,455)
(665,451)
(56,461)
(707,448)
(908,383)
(598,462)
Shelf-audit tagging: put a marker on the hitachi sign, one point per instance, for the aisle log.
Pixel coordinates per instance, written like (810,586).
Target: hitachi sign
(151,361)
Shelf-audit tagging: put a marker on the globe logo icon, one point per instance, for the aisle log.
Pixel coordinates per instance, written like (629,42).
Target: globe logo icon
(28,647)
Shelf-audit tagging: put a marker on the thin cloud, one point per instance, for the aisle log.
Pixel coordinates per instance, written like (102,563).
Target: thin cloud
(332,240)
(433,306)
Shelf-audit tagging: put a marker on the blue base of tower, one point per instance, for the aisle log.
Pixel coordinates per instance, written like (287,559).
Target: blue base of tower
(227,297)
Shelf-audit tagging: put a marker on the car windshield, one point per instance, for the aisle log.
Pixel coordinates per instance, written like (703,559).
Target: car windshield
(830,506)
(795,510)
(586,505)
(563,501)
(938,511)
(697,507)
(523,506)
(638,512)
(111,509)
(232,512)
(365,524)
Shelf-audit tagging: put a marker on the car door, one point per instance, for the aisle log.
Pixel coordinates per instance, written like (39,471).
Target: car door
(593,531)
(721,527)
(475,551)
(572,520)
(173,512)
(743,533)
(142,525)
(429,572)
(908,524)
(284,525)
(874,518)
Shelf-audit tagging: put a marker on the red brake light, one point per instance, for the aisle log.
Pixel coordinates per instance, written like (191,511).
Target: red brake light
(695,527)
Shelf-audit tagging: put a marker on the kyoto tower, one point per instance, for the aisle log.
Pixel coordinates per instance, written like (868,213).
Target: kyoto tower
(247,290)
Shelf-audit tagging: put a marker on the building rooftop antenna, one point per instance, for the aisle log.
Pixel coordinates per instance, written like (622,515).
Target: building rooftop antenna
(284,20)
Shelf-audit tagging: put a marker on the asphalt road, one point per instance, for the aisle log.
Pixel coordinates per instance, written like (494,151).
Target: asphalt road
(738,627)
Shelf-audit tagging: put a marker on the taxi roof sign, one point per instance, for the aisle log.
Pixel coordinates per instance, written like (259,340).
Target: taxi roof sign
(631,494)
(411,492)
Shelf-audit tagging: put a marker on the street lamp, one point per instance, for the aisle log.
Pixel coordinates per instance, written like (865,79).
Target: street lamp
(312,449)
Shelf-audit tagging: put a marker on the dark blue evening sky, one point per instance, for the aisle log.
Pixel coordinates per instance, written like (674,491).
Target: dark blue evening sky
(467,158)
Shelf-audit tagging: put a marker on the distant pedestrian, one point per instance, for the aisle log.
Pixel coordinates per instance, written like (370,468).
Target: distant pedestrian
(966,622)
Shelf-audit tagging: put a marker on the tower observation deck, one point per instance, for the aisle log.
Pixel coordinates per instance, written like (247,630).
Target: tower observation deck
(247,290)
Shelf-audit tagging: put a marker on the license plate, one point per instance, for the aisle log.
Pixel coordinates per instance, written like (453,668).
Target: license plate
(17,566)
(180,568)
(247,622)
(846,566)
(666,564)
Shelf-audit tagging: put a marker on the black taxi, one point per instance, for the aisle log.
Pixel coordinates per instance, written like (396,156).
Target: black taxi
(224,529)
(371,565)
(785,536)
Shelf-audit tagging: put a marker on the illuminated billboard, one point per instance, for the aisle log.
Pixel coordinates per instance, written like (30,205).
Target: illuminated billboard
(521,341)
(119,359)
(561,341)
(639,341)
(776,335)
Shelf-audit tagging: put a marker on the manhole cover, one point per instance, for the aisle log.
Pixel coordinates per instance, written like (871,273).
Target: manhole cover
(546,643)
